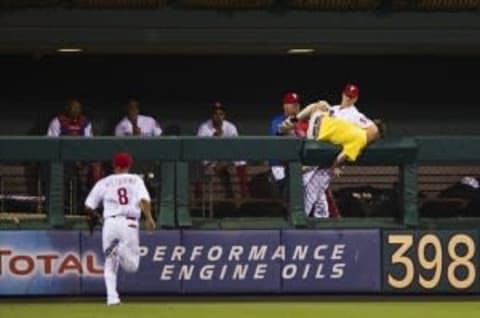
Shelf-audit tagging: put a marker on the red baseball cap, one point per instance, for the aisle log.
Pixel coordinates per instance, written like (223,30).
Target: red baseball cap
(351,90)
(291,98)
(122,160)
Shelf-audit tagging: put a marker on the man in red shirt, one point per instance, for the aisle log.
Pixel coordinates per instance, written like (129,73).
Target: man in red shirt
(71,122)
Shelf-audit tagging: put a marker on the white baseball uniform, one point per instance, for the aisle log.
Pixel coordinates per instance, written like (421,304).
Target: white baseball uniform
(315,180)
(149,127)
(353,115)
(120,195)
(229,129)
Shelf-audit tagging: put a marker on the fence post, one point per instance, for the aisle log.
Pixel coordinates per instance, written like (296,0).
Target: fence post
(165,211)
(295,185)
(56,188)
(408,183)
(182,194)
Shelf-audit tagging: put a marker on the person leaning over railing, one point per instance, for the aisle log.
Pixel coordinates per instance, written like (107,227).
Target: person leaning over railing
(327,128)
(317,180)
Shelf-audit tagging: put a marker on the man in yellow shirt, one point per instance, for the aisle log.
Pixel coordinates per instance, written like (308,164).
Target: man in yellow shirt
(341,132)
(324,127)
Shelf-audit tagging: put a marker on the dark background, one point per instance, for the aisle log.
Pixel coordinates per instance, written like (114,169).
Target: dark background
(415,94)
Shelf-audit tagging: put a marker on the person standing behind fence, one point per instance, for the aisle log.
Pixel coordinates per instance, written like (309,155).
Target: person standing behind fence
(347,109)
(72,122)
(135,124)
(218,126)
(316,197)
(138,125)
(291,107)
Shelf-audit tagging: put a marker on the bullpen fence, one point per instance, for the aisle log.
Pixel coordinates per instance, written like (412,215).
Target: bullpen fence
(406,156)
(409,254)
(174,154)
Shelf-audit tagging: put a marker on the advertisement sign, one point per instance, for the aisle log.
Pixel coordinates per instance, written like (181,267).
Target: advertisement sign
(331,261)
(231,262)
(430,261)
(41,262)
(197,262)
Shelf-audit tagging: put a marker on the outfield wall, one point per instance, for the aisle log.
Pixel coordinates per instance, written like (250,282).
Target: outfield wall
(240,262)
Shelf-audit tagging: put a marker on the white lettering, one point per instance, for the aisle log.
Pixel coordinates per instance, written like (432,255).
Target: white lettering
(235,253)
(306,271)
(167,272)
(206,272)
(338,251)
(186,272)
(215,253)
(257,253)
(143,251)
(337,270)
(260,271)
(240,272)
(279,253)
(289,271)
(223,273)
(318,274)
(317,253)
(300,252)
(159,254)
(197,251)
(178,253)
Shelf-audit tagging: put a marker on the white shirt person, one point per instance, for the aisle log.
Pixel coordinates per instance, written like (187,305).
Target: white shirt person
(353,115)
(134,124)
(218,126)
(227,129)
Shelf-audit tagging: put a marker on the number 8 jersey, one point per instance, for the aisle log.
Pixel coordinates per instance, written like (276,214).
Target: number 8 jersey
(120,194)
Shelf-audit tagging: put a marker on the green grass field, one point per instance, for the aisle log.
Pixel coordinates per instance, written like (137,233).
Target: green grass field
(244,309)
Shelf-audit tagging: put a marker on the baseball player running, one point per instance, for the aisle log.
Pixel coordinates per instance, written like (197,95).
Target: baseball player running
(124,197)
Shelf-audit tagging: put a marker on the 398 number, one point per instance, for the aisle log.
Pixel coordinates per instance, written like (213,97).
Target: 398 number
(434,262)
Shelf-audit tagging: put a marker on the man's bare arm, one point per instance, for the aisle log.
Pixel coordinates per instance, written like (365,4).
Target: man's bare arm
(289,124)
(322,106)
(93,219)
(146,208)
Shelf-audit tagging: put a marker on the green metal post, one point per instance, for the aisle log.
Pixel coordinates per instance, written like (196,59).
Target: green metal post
(56,211)
(408,182)
(182,195)
(296,204)
(166,200)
